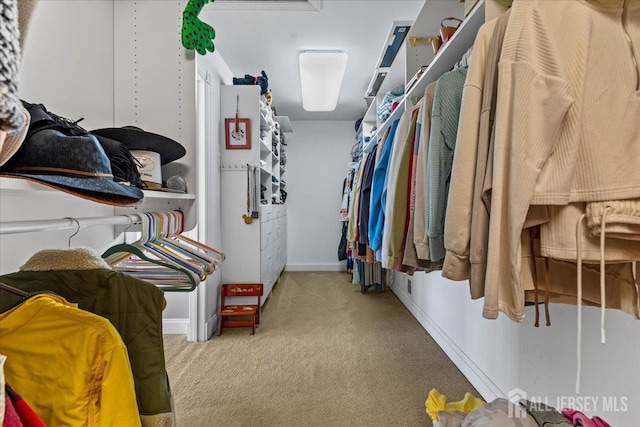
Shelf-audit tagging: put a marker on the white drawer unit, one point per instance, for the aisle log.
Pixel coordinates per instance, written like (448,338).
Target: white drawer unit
(273,236)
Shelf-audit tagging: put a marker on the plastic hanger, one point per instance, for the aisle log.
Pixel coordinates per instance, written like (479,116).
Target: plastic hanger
(209,256)
(218,255)
(163,272)
(170,229)
(174,276)
(154,244)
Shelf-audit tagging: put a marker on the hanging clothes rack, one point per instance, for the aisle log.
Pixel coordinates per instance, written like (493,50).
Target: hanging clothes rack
(32,226)
(16,291)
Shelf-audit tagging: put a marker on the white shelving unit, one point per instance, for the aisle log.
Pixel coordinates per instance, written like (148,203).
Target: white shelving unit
(409,60)
(256,252)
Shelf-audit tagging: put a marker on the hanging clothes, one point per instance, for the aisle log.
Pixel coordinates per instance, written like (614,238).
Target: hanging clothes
(420,236)
(457,233)
(379,192)
(354,205)
(410,260)
(442,140)
(365,198)
(560,95)
(71,365)
(134,307)
(28,418)
(397,200)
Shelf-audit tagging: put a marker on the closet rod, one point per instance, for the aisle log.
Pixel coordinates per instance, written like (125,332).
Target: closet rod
(16,227)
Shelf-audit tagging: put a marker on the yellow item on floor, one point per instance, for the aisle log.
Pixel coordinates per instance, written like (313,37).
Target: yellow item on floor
(437,401)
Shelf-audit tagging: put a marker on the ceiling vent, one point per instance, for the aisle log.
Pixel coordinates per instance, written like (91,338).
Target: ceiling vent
(281,5)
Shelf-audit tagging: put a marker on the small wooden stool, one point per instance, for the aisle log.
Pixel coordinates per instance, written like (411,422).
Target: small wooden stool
(229,312)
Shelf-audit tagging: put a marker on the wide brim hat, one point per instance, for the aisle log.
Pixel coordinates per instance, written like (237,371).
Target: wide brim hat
(14,139)
(74,164)
(137,139)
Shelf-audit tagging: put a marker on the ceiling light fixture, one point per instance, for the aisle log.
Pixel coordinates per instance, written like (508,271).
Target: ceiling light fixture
(321,73)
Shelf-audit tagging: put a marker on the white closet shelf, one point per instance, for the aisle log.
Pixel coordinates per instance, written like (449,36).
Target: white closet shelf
(393,117)
(264,124)
(395,76)
(373,141)
(17,186)
(372,113)
(264,148)
(150,194)
(285,123)
(21,186)
(452,51)
(264,171)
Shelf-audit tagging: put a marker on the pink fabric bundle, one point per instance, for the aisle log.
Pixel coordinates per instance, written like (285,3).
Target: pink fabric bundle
(577,418)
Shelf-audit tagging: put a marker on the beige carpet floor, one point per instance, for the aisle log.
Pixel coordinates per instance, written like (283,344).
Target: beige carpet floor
(324,355)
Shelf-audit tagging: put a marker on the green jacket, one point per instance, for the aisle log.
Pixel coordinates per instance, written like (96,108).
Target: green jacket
(133,306)
(442,142)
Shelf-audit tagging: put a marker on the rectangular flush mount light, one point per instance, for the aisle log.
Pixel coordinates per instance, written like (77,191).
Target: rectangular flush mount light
(321,73)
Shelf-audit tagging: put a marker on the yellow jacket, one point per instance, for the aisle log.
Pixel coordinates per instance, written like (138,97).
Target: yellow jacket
(70,365)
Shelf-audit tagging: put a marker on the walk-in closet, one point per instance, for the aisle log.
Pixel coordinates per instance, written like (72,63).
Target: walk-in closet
(319,213)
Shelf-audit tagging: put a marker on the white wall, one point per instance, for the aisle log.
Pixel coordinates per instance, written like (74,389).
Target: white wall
(48,67)
(500,355)
(218,73)
(70,52)
(317,156)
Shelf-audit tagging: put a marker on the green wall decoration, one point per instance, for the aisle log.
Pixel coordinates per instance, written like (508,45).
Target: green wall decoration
(197,35)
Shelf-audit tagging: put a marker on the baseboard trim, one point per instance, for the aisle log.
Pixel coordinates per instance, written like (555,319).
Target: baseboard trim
(175,326)
(211,327)
(476,376)
(316,266)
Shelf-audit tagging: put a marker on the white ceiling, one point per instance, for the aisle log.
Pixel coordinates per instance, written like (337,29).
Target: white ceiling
(251,40)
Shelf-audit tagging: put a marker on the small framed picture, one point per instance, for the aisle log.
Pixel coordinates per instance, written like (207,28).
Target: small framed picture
(237,134)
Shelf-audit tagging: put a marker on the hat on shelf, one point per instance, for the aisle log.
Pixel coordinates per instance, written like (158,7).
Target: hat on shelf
(123,166)
(74,164)
(137,139)
(10,141)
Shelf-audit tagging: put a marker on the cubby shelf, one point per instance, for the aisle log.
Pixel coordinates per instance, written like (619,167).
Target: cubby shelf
(264,124)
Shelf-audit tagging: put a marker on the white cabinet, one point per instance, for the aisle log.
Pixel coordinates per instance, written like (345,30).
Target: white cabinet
(273,255)
(255,252)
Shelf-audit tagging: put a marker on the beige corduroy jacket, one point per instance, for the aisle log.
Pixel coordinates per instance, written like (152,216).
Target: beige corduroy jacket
(568,106)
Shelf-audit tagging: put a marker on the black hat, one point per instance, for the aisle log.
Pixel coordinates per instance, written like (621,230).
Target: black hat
(137,139)
(75,164)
